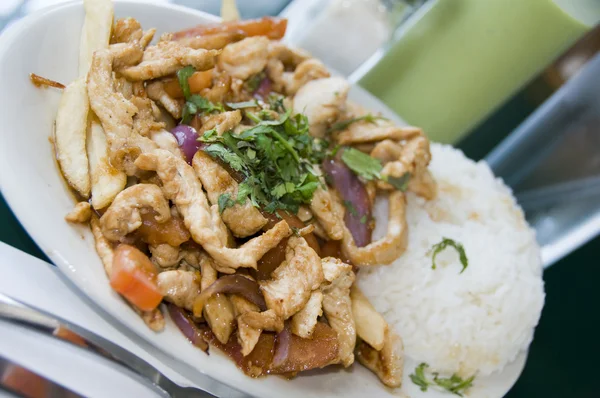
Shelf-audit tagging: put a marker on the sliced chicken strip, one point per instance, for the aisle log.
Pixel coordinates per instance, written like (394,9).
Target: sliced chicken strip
(104,247)
(411,157)
(252,322)
(154,319)
(216,41)
(218,310)
(165,255)
(303,323)
(144,121)
(245,58)
(290,56)
(337,307)
(388,248)
(328,212)
(165,140)
(156,92)
(387,364)
(220,122)
(364,132)
(80,214)
(247,336)
(166,58)
(243,220)
(311,69)
(179,287)
(123,216)
(333,268)
(294,280)
(182,186)
(116,114)
(125,30)
(321,101)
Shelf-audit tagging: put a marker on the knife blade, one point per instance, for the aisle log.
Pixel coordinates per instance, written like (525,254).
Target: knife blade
(17,379)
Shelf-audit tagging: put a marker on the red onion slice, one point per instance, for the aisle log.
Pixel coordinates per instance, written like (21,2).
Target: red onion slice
(187,139)
(187,326)
(231,284)
(355,197)
(264,88)
(282,346)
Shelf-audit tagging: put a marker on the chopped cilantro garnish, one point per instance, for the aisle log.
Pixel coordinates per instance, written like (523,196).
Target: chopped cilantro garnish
(183,75)
(225,201)
(400,183)
(439,247)
(369,118)
(453,384)
(194,103)
(363,219)
(362,164)
(276,159)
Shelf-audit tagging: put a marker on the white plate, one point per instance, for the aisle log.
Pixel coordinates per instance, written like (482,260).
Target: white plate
(47,43)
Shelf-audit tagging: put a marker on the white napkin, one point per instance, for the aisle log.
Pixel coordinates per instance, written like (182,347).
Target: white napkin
(36,283)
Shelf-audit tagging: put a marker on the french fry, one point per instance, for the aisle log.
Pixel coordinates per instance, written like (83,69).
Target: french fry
(370,325)
(229,11)
(96,31)
(106,181)
(71,119)
(69,136)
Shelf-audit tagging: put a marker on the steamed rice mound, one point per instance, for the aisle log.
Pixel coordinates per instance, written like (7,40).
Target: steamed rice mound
(477,321)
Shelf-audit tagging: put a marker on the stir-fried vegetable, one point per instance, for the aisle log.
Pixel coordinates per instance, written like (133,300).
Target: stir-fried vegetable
(134,277)
(370,168)
(197,81)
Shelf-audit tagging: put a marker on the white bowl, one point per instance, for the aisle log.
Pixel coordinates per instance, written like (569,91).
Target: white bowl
(47,44)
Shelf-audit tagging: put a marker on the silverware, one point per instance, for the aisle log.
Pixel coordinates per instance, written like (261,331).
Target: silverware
(122,357)
(20,381)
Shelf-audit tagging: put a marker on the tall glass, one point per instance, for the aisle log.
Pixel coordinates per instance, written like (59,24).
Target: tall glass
(455,61)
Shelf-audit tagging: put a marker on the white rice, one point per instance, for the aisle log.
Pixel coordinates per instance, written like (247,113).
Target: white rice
(477,321)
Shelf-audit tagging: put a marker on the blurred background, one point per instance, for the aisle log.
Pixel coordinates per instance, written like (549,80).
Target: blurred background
(515,82)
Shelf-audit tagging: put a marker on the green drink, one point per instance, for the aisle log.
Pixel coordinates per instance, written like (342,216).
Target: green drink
(460,59)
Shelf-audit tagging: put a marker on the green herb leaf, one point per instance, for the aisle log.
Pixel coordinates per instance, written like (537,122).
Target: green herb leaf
(241,105)
(182,76)
(224,202)
(369,118)
(454,384)
(362,164)
(363,219)
(439,247)
(229,157)
(400,183)
(419,377)
(351,209)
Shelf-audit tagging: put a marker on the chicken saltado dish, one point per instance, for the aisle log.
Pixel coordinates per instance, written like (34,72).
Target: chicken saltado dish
(228,176)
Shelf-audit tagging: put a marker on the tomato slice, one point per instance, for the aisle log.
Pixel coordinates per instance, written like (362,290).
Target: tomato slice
(134,277)
(271,27)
